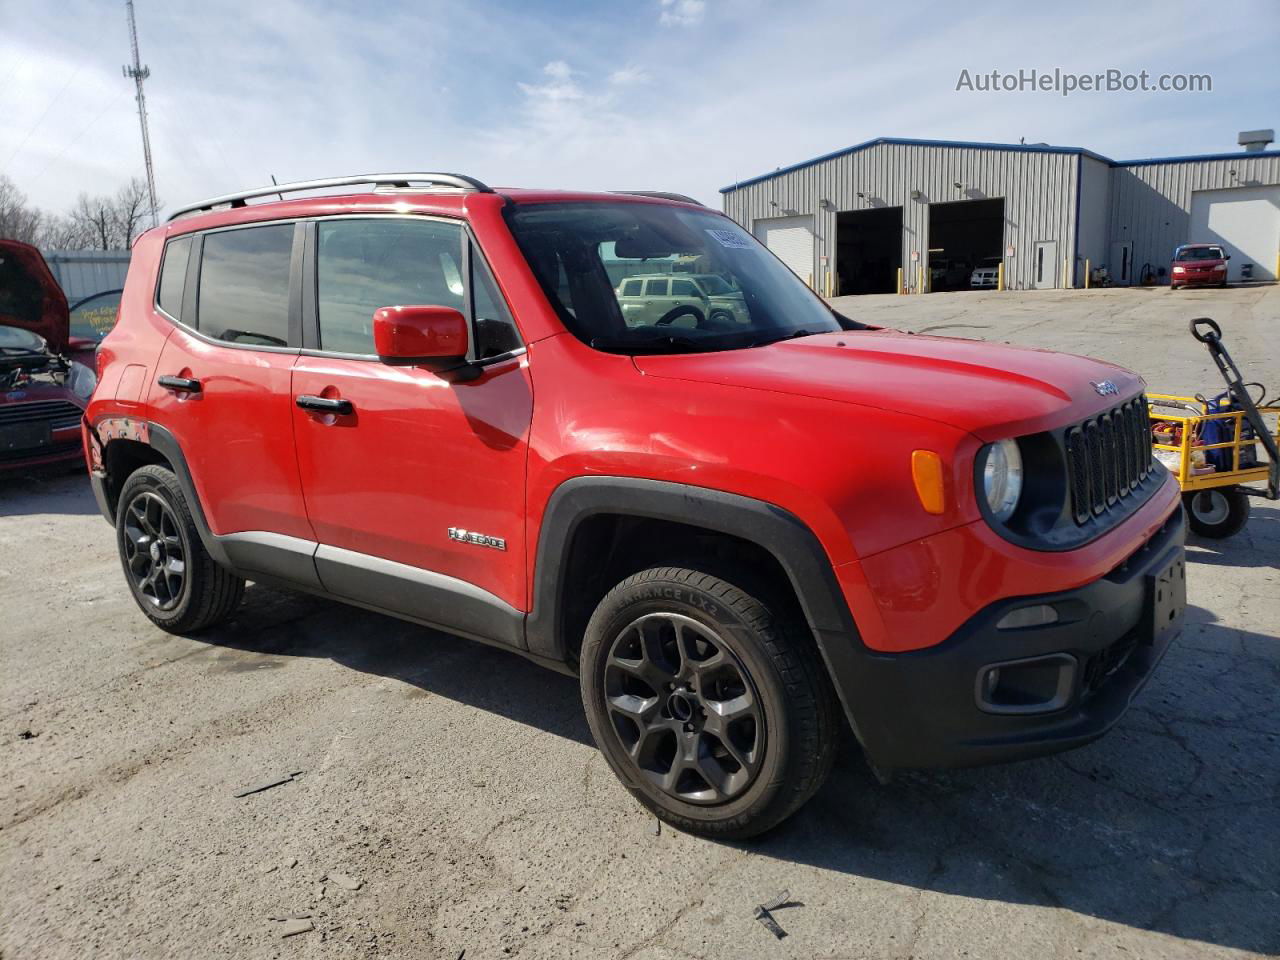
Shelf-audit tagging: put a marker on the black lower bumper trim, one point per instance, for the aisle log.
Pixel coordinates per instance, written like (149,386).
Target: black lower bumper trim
(924,708)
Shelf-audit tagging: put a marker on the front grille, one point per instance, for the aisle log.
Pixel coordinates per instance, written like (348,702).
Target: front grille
(59,413)
(1108,456)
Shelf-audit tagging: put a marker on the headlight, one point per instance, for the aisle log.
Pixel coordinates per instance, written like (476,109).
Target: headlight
(1219,266)
(1179,269)
(82,380)
(1002,478)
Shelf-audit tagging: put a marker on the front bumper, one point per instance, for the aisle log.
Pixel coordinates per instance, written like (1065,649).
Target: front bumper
(926,708)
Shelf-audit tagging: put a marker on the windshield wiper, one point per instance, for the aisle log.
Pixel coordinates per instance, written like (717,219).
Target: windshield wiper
(665,344)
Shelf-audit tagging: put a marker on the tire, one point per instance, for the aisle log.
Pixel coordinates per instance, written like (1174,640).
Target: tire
(1216,513)
(742,657)
(170,574)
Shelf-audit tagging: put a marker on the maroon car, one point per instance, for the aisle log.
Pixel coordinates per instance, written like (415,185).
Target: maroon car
(46,374)
(1199,264)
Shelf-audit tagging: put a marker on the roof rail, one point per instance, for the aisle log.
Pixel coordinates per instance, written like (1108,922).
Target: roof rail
(660,195)
(380,180)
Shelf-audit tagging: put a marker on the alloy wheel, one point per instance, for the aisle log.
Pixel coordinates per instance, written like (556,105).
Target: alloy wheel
(155,555)
(684,708)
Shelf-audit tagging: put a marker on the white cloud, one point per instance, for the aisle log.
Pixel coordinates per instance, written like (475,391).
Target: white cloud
(682,13)
(629,77)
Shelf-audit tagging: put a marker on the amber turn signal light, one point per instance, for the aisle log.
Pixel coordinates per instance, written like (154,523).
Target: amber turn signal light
(926,471)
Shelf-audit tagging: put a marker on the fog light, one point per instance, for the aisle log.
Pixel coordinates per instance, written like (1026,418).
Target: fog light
(1039,615)
(1033,685)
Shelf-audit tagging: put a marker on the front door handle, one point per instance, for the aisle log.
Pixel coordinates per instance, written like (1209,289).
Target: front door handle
(179,384)
(324,404)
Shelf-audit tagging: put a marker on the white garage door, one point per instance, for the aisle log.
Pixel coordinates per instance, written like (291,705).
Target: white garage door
(1245,220)
(791,240)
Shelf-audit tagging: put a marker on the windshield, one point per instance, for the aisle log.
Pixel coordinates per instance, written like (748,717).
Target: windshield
(1199,253)
(639,277)
(93,317)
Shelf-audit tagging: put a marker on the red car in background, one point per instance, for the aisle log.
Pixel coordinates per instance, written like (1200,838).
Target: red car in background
(46,374)
(1199,263)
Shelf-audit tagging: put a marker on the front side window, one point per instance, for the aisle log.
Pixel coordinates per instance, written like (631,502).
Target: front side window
(586,255)
(244,285)
(362,265)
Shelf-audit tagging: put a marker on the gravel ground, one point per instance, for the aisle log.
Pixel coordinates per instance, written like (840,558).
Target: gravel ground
(456,789)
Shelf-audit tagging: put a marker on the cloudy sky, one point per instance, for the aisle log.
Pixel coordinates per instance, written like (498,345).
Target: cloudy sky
(685,95)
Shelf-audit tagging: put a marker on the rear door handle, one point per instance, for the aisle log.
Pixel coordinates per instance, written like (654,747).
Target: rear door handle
(324,404)
(179,384)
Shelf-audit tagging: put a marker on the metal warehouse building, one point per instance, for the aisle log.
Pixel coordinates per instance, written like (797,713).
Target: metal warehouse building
(848,221)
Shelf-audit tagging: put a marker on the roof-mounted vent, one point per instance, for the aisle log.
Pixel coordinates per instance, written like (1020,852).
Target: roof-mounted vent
(1255,141)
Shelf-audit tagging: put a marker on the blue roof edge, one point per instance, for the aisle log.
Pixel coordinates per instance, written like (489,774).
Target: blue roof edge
(1014,147)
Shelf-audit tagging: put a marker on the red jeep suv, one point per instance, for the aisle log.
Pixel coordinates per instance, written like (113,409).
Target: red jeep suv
(423,398)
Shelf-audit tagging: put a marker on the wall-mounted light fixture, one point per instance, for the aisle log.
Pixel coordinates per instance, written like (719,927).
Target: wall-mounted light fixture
(826,204)
(915,194)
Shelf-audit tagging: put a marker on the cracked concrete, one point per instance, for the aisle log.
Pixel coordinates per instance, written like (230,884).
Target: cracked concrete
(459,784)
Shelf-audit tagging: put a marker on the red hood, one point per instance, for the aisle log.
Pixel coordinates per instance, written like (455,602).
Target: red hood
(988,389)
(30,297)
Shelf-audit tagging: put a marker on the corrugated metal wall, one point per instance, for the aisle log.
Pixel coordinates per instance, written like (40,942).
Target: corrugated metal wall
(1151,203)
(1038,187)
(82,273)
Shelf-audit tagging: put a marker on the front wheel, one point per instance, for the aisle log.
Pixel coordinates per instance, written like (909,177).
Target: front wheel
(172,577)
(710,705)
(1217,513)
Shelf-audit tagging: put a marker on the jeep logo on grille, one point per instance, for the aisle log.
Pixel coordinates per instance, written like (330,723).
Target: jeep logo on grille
(1104,388)
(479,539)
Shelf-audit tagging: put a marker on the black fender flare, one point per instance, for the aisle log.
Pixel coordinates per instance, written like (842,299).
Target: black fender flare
(168,447)
(776,530)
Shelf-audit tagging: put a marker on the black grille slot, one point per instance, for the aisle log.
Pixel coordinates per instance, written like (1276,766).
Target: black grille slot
(61,413)
(1108,456)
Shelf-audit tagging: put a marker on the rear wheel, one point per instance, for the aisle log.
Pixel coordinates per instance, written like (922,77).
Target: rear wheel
(711,707)
(172,577)
(1217,513)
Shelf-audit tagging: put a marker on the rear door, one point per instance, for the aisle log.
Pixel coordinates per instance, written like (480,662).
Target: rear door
(419,459)
(222,383)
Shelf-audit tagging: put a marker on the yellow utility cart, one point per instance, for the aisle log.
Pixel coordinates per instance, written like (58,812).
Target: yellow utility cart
(1217,447)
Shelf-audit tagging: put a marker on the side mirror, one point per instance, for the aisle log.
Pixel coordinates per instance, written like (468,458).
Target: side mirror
(431,337)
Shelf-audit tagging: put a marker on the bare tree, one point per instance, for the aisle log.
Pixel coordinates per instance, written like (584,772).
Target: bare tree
(132,211)
(95,222)
(18,220)
(61,233)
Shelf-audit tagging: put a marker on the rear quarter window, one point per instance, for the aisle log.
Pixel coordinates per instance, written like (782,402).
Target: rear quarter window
(173,276)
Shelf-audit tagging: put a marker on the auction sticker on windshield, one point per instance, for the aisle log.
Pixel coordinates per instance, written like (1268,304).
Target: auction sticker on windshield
(730,239)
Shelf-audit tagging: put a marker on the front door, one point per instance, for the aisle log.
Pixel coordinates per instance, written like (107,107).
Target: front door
(1044,265)
(419,460)
(1121,266)
(221,387)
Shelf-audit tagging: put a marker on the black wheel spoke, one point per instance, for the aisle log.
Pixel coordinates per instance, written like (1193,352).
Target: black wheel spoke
(684,708)
(154,552)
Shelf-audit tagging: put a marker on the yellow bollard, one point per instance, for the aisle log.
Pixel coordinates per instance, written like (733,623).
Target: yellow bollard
(899,281)
(919,280)
(1086,273)
(1000,276)
(1067,281)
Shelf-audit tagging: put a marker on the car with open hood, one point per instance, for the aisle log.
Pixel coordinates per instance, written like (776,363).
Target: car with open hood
(424,396)
(46,374)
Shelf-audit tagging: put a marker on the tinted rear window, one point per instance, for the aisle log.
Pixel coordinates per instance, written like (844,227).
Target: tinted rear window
(173,275)
(244,285)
